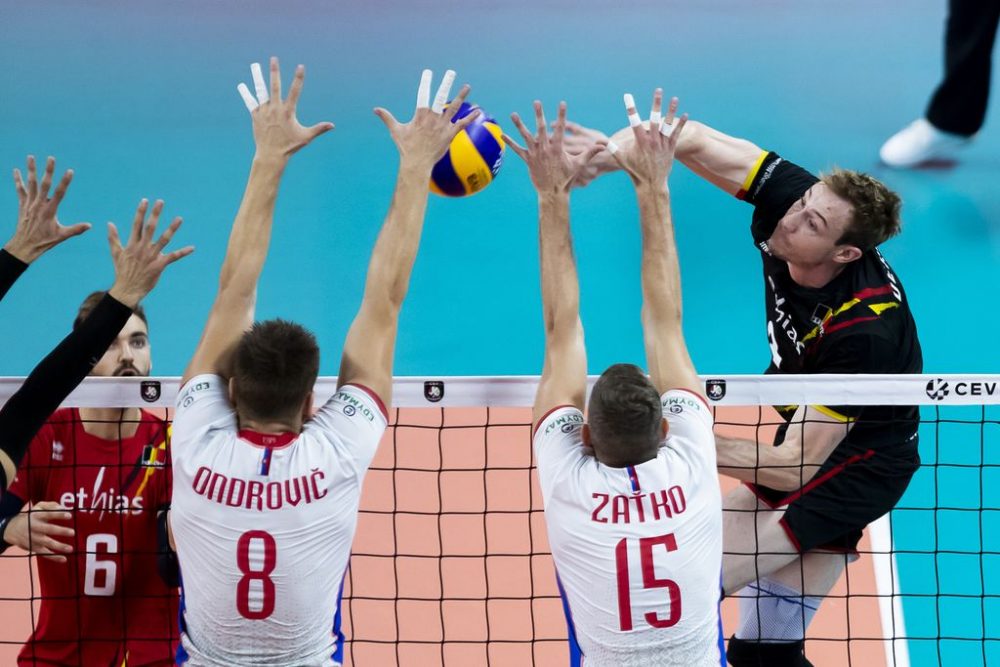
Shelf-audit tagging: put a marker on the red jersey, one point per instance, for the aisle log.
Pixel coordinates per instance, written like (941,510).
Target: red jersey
(107,603)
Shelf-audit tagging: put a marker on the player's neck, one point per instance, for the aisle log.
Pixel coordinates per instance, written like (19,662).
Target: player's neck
(815,276)
(271,427)
(110,423)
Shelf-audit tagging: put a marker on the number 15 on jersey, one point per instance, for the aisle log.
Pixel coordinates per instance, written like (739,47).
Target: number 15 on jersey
(658,619)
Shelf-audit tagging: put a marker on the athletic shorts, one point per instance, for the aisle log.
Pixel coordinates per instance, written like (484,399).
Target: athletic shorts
(849,492)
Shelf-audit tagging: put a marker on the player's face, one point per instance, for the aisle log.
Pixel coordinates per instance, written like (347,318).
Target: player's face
(810,230)
(129,354)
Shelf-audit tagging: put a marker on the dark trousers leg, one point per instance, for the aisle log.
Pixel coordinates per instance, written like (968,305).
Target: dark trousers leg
(959,103)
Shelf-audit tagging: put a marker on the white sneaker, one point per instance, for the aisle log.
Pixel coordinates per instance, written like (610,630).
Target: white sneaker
(919,142)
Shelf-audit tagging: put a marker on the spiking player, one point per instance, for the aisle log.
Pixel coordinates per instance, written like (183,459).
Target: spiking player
(102,472)
(265,498)
(636,526)
(833,305)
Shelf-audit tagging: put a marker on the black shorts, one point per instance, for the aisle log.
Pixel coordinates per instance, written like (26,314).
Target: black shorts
(847,494)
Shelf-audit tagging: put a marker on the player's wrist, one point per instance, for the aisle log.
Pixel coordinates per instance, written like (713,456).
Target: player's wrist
(652,189)
(7,541)
(22,252)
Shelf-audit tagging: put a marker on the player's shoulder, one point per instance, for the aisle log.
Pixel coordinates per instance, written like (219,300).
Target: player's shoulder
(64,422)
(559,420)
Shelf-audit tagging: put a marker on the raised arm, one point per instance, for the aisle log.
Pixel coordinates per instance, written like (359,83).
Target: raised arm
(553,170)
(648,159)
(725,161)
(138,266)
(371,340)
(278,135)
(38,228)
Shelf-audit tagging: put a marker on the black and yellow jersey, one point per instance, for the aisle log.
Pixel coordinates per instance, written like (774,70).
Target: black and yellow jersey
(860,322)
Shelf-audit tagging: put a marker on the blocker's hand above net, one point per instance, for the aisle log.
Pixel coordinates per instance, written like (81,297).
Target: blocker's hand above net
(425,138)
(38,228)
(649,157)
(141,261)
(551,166)
(276,130)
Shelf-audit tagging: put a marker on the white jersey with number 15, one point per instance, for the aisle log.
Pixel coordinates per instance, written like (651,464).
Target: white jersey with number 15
(638,550)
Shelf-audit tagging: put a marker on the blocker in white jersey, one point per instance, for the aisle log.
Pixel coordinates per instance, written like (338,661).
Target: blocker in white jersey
(638,550)
(264,526)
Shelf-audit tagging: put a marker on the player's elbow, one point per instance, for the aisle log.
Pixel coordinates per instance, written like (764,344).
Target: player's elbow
(561,325)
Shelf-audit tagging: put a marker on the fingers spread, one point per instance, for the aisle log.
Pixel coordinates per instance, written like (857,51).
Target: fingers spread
(169,233)
(32,177)
(178,254)
(560,125)
(140,215)
(654,114)
(154,219)
(19,185)
(456,104)
(387,118)
(519,124)
(443,91)
(258,83)
(248,99)
(60,192)
(514,146)
(50,169)
(275,79)
(75,230)
(296,90)
(424,90)
(540,121)
(318,129)
(633,115)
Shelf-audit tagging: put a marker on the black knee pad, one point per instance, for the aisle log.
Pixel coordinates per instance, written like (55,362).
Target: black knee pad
(742,653)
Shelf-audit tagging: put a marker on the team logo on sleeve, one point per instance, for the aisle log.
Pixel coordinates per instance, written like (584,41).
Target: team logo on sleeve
(433,390)
(715,389)
(150,390)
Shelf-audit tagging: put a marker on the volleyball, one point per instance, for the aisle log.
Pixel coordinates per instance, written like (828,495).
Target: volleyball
(473,159)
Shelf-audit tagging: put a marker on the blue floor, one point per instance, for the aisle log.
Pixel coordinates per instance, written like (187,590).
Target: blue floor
(140,99)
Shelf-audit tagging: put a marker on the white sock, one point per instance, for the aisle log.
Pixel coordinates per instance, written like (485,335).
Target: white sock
(773,612)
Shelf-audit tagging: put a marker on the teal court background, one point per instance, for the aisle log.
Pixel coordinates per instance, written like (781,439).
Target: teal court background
(139,98)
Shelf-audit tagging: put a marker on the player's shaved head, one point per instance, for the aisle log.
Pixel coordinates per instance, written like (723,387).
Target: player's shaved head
(275,367)
(624,417)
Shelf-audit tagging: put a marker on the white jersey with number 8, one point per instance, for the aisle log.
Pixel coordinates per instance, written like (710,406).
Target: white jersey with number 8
(263,526)
(638,550)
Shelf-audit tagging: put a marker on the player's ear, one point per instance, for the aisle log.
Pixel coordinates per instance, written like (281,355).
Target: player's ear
(232,392)
(846,254)
(307,406)
(664,427)
(585,435)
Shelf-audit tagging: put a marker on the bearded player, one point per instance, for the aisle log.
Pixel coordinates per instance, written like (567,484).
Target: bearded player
(632,500)
(96,479)
(266,497)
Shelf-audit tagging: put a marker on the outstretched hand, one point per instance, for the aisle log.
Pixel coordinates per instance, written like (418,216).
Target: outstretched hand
(425,138)
(649,158)
(551,166)
(38,228)
(140,262)
(276,130)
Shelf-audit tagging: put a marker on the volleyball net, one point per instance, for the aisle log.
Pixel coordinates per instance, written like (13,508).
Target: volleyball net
(451,564)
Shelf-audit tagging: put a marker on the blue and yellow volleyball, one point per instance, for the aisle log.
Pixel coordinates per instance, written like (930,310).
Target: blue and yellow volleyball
(473,159)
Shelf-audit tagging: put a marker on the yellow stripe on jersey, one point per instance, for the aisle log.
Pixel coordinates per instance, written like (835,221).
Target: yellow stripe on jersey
(879,308)
(833,413)
(158,454)
(748,181)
